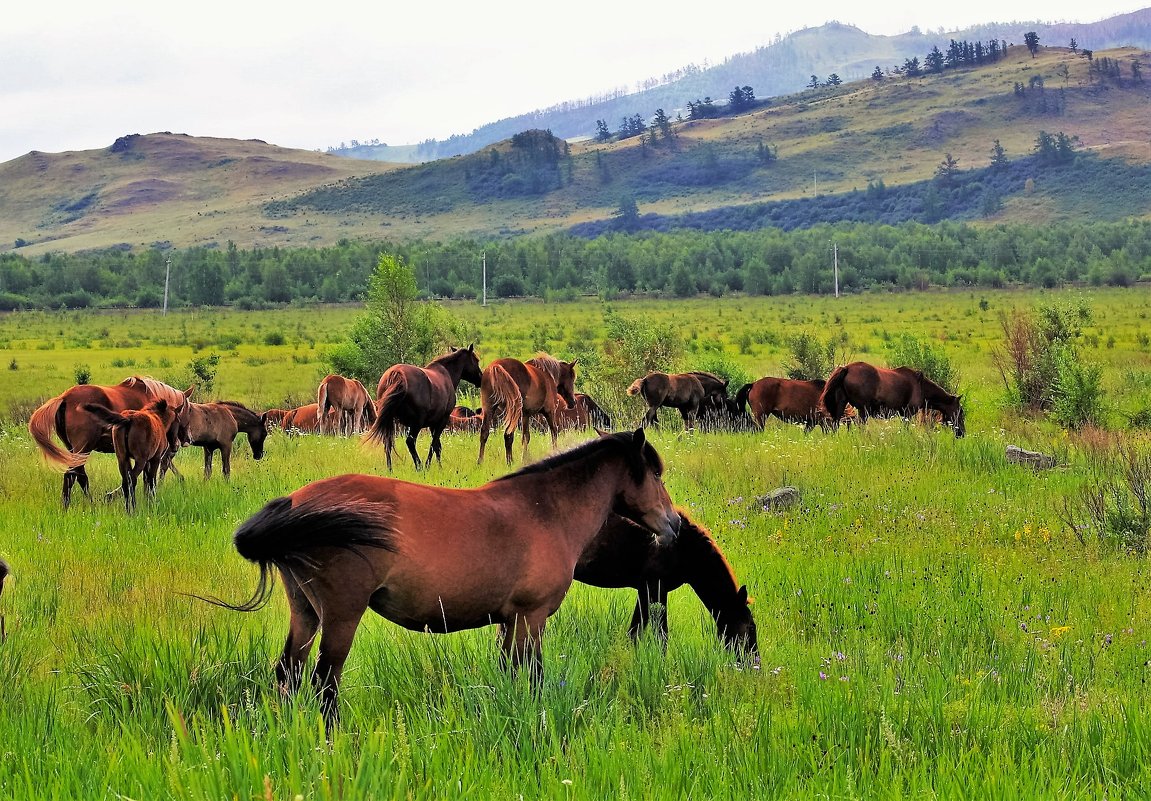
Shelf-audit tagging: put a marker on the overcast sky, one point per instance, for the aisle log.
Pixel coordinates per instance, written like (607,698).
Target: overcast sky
(76,75)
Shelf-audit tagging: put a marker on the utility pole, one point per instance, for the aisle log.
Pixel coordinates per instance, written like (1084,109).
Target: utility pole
(167,276)
(815,178)
(835,251)
(484,257)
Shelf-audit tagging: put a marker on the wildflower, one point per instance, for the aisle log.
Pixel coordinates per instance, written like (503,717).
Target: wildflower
(843,678)
(839,656)
(1107,639)
(1059,631)
(775,671)
(822,676)
(566,781)
(1045,533)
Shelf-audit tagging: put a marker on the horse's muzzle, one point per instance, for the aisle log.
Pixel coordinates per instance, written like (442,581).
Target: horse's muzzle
(671,523)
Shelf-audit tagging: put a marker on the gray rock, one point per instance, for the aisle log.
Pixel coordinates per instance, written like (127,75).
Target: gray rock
(1032,459)
(782,498)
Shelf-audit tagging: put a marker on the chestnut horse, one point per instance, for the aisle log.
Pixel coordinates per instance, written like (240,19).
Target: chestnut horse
(791,400)
(624,555)
(465,419)
(514,391)
(879,391)
(682,391)
(81,432)
(351,402)
(419,398)
(304,419)
(214,426)
(141,439)
(276,417)
(584,415)
(442,560)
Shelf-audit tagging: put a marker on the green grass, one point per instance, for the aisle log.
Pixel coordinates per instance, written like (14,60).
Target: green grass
(969,645)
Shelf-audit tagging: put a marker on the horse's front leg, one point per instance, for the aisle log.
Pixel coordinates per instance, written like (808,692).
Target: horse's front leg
(485,432)
(302,630)
(526,433)
(414,432)
(436,447)
(207,462)
(226,459)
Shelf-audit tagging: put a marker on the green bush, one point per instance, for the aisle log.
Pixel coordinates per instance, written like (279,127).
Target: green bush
(1077,399)
(82,374)
(811,357)
(933,362)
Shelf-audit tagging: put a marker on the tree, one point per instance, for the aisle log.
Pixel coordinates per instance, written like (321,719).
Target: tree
(602,134)
(877,74)
(662,123)
(1074,45)
(814,82)
(947,170)
(911,67)
(998,156)
(834,80)
(1031,39)
(934,60)
(627,213)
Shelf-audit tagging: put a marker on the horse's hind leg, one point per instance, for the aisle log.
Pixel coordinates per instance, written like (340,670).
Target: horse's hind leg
(436,447)
(302,630)
(226,459)
(645,616)
(521,643)
(339,627)
(73,476)
(207,462)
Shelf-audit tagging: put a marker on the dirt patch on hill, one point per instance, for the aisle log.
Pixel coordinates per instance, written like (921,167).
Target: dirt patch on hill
(140,194)
(945,126)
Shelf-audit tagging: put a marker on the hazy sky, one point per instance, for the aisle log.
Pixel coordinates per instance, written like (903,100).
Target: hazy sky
(77,75)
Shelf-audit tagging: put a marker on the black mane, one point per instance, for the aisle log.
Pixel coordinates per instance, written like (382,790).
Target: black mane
(590,448)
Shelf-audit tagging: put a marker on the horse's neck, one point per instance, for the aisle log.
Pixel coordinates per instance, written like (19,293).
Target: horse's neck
(453,365)
(705,569)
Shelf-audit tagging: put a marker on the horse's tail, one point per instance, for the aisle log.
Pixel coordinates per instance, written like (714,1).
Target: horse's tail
(382,428)
(369,406)
(636,387)
(500,389)
(833,399)
(282,534)
(41,425)
(741,397)
(322,406)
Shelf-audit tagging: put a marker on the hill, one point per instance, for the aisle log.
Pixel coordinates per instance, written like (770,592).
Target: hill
(783,67)
(815,147)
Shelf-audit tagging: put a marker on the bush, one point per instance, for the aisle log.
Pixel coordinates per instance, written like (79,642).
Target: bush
(811,358)
(909,351)
(274,338)
(1077,399)
(720,365)
(82,374)
(1116,503)
(1028,360)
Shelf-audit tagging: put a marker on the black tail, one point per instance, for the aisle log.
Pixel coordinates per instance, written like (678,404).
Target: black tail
(741,397)
(598,417)
(280,535)
(833,400)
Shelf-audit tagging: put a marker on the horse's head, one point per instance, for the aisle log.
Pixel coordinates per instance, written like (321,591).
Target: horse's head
(737,626)
(565,382)
(471,372)
(644,499)
(956,417)
(257,433)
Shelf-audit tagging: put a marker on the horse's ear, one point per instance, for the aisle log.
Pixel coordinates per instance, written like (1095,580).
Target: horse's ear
(572,363)
(472,347)
(639,438)
(742,594)
(600,432)
(452,348)
(188,392)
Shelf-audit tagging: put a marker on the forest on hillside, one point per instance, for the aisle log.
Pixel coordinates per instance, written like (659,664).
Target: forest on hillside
(679,263)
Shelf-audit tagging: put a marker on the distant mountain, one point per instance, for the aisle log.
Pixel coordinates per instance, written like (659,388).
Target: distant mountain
(780,68)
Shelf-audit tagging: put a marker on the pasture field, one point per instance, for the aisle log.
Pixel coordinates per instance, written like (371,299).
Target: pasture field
(928,625)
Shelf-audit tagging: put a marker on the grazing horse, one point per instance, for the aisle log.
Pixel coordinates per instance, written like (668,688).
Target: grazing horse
(682,391)
(351,402)
(441,560)
(624,555)
(214,426)
(514,391)
(141,439)
(275,417)
(584,415)
(879,391)
(305,419)
(465,419)
(82,432)
(419,398)
(791,400)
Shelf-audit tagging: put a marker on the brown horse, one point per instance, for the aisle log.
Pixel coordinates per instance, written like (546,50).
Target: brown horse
(419,398)
(514,391)
(682,391)
(791,400)
(214,426)
(879,392)
(584,415)
(141,439)
(351,401)
(465,419)
(624,555)
(305,419)
(275,417)
(4,571)
(441,560)
(82,432)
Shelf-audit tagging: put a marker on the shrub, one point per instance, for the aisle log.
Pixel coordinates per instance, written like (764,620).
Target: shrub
(1116,502)
(82,374)
(909,351)
(720,365)
(1028,360)
(274,338)
(811,358)
(1077,398)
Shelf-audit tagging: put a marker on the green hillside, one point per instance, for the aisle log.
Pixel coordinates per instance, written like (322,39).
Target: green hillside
(824,145)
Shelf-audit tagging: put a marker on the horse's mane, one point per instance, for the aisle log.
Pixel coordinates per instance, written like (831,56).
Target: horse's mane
(236,406)
(157,389)
(586,449)
(709,375)
(548,363)
(705,546)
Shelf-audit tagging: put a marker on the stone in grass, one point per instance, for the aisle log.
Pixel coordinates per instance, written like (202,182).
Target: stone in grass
(782,498)
(1032,459)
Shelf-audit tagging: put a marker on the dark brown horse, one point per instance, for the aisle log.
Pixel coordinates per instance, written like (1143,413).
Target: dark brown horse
(441,560)
(140,438)
(881,392)
(682,391)
(584,415)
(624,555)
(4,571)
(351,402)
(214,427)
(791,400)
(514,391)
(82,432)
(419,398)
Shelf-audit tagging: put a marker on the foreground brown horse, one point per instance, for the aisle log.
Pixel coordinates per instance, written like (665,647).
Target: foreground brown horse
(214,426)
(624,555)
(419,398)
(682,391)
(83,432)
(879,392)
(141,439)
(441,560)
(791,400)
(514,391)
(350,401)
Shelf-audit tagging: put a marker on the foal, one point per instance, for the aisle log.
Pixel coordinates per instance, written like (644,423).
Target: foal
(141,440)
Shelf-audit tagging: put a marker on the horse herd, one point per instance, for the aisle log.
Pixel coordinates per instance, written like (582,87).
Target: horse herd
(438,559)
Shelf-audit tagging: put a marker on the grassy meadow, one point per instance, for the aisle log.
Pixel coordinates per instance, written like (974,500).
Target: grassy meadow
(928,624)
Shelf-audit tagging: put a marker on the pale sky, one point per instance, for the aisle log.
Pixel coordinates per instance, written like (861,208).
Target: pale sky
(76,75)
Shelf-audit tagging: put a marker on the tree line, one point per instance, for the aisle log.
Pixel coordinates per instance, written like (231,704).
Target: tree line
(676,263)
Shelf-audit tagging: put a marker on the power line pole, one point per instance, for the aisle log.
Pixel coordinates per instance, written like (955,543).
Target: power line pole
(484,257)
(167,276)
(835,251)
